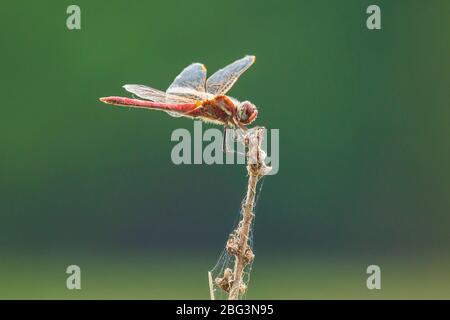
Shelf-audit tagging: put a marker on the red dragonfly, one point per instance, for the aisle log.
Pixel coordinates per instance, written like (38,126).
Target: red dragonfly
(192,95)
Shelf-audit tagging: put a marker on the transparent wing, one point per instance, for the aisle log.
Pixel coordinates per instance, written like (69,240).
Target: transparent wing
(190,82)
(222,81)
(155,95)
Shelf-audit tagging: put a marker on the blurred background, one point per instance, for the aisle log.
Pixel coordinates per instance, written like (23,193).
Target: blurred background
(364,149)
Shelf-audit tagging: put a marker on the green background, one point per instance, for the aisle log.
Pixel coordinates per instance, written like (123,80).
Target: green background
(364,149)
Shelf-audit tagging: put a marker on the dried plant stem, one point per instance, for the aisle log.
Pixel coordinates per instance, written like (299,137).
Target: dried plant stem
(232,281)
(244,251)
(238,244)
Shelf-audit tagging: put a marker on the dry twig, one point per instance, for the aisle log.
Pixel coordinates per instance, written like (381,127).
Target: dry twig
(238,243)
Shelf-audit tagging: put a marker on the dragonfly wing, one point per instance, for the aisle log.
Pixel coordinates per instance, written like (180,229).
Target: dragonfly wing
(158,96)
(222,81)
(155,95)
(190,82)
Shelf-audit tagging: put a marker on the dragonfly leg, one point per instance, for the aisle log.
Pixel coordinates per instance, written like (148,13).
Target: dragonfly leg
(241,132)
(225,147)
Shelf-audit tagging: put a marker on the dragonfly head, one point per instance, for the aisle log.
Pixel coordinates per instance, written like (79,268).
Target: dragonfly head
(246,112)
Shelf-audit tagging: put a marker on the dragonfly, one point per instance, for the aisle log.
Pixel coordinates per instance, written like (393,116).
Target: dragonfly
(195,96)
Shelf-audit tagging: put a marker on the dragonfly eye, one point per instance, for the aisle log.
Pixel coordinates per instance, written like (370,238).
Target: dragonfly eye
(247,112)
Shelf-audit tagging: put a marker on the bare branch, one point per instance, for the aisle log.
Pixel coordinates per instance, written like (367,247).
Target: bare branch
(238,243)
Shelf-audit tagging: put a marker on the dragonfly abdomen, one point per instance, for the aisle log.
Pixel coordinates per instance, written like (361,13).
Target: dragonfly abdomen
(181,108)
